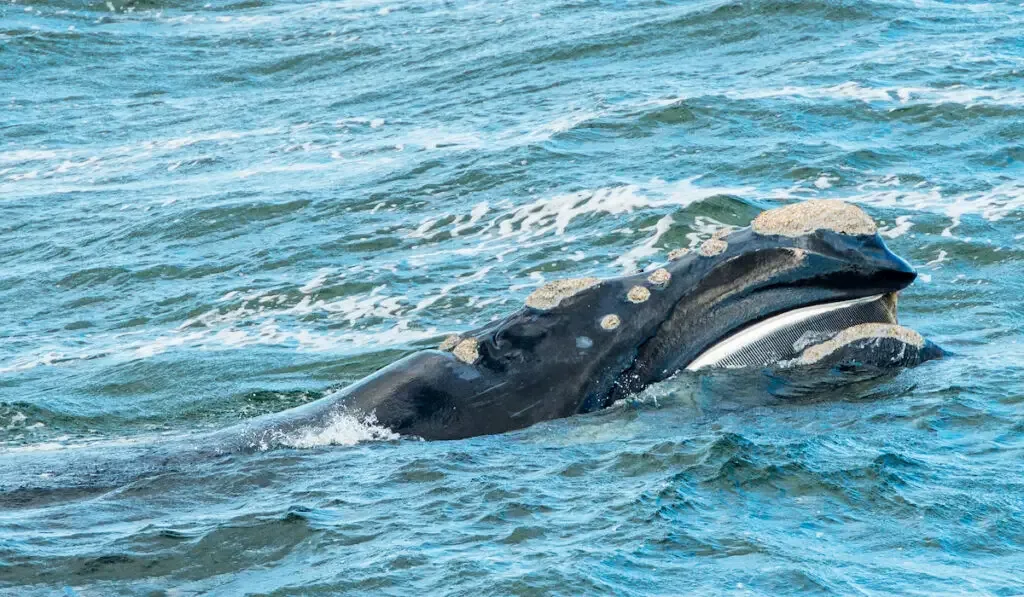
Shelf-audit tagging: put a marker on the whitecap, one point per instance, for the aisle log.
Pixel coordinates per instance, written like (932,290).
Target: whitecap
(341,429)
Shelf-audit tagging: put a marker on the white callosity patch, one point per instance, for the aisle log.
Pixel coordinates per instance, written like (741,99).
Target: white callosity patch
(610,321)
(467,351)
(638,294)
(864,331)
(712,247)
(800,219)
(677,254)
(449,343)
(551,294)
(660,277)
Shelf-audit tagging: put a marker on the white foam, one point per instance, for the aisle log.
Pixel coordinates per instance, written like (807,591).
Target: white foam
(341,430)
(430,300)
(268,318)
(902,226)
(272,167)
(263,318)
(560,124)
(179,142)
(629,260)
(554,215)
(316,282)
(938,260)
(31,174)
(160,345)
(846,91)
(32,361)
(26,155)
(545,216)
(17,421)
(77,168)
(852,90)
(887,191)
(479,210)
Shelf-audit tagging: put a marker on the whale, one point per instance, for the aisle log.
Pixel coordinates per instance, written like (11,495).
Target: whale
(805,285)
(801,304)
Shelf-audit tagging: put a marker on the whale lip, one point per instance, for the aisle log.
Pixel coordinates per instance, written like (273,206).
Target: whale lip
(780,336)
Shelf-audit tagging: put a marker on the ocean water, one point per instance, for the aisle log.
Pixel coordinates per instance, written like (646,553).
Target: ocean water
(211,211)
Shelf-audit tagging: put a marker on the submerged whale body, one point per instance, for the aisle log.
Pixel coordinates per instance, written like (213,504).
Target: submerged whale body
(806,285)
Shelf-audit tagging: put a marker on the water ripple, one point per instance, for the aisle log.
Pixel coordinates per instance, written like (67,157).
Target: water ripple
(215,211)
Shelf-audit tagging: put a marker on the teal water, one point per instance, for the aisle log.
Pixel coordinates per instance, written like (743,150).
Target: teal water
(213,211)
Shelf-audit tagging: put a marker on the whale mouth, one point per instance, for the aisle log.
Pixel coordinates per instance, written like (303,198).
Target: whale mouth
(784,336)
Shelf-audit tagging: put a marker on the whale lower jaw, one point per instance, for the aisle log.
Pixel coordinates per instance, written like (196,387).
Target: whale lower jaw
(784,336)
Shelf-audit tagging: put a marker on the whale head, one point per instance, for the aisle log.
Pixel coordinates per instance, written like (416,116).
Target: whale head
(818,262)
(601,340)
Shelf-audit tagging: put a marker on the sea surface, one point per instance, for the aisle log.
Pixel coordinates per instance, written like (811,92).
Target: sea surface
(211,211)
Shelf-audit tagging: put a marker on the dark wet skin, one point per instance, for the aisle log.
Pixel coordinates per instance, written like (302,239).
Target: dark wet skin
(536,365)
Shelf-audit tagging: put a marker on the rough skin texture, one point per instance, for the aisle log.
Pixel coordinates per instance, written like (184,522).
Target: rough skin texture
(610,321)
(549,295)
(676,254)
(638,294)
(713,246)
(449,342)
(659,277)
(800,219)
(863,331)
(466,351)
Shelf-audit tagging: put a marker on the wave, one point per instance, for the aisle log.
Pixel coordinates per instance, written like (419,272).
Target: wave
(852,90)
(340,429)
(399,314)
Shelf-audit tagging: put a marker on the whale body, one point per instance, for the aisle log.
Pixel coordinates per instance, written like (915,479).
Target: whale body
(806,285)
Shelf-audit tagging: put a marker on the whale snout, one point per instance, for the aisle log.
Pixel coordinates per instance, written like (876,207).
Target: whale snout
(892,269)
(842,242)
(861,264)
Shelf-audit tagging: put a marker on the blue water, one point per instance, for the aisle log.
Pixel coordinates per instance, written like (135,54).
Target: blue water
(213,211)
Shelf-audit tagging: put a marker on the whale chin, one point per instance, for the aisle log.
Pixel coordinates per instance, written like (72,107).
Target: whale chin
(781,339)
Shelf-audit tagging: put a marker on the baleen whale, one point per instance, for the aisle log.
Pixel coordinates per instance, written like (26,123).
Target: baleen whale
(807,285)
